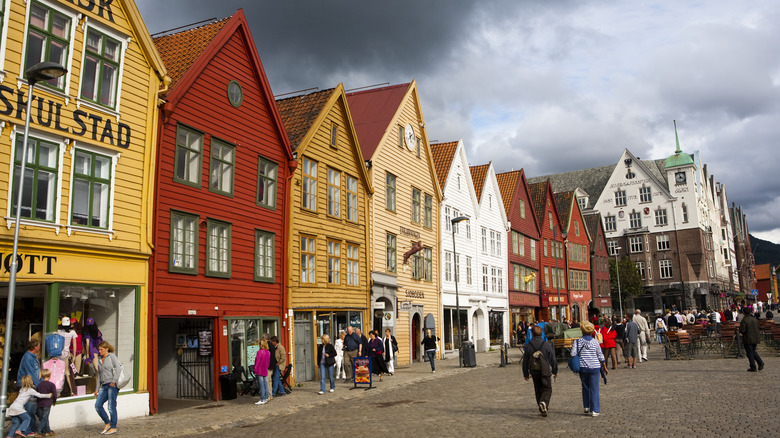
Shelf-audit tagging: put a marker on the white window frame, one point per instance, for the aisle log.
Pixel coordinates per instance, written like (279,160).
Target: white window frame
(661,217)
(662,242)
(468,270)
(124,40)
(665,265)
(645,194)
(635,218)
(447,265)
(5,5)
(635,244)
(612,247)
(114,160)
(610,223)
(620,198)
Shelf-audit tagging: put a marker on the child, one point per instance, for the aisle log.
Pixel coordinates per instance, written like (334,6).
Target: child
(45,404)
(16,410)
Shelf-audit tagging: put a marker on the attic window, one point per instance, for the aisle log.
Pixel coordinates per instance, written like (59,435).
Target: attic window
(630,174)
(235,93)
(334,135)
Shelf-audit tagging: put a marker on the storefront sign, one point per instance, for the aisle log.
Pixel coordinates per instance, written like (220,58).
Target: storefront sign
(205,342)
(414,294)
(554,299)
(523,299)
(406,305)
(408,232)
(89,5)
(50,114)
(32,263)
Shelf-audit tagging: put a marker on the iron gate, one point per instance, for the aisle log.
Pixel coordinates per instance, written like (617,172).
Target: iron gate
(194,378)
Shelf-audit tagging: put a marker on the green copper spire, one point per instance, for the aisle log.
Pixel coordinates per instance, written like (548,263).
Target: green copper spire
(679,158)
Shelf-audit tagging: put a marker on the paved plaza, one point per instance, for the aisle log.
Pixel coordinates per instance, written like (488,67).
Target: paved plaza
(703,397)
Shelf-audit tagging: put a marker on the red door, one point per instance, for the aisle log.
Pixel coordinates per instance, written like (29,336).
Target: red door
(416,338)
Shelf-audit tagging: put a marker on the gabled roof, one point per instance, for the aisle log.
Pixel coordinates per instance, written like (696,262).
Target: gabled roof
(478,174)
(507,183)
(563,202)
(372,111)
(443,154)
(300,112)
(593,223)
(180,50)
(538,199)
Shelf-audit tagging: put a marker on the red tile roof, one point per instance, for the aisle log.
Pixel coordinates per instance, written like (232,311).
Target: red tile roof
(478,175)
(539,199)
(372,110)
(563,202)
(180,50)
(299,113)
(443,154)
(507,183)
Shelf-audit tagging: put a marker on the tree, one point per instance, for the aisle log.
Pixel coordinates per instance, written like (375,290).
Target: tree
(630,281)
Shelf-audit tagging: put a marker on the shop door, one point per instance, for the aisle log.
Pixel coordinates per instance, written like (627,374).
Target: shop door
(194,379)
(416,338)
(304,351)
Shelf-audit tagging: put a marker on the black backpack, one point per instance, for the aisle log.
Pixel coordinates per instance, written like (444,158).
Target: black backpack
(538,362)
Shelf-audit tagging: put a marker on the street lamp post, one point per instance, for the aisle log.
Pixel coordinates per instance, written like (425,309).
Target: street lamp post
(557,278)
(617,274)
(43,71)
(454,222)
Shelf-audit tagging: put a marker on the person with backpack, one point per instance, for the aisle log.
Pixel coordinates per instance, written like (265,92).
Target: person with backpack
(540,364)
(109,369)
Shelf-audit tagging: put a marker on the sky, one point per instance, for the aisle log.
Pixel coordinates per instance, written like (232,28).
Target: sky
(548,86)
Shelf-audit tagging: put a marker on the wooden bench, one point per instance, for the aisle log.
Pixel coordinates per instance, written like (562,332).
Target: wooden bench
(563,347)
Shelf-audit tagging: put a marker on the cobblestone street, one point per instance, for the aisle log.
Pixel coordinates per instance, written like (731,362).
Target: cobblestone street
(685,398)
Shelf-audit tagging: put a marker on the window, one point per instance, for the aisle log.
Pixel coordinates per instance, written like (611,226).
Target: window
(649,271)
(612,247)
(91,189)
(40,194)
(100,68)
(515,242)
(391,255)
(447,266)
(516,277)
(267,172)
(416,195)
(189,153)
(493,280)
(264,256)
(428,259)
(635,244)
(498,243)
(522,209)
(417,266)
(484,278)
(549,217)
(428,211)
(352,199)
(641,268)
(390,188)
(582,202)
(48,39)
(544,244)
(546,277)
(400,136)
(457,267)
(710,268)
(334,262)
(183,255)
(334,193)
(419,146)
(308,253)
(353,268)
(726,254)
(334,135)
(447,218)
(663,242)
(218,248)
(610,224)
(468,229)
(492,242)
(645,195)
(468,270)
(309,198)
(620,198)
(223,161)
(685,213)
(576,228)
(660,217)
(666,268)
(533,249)
(484,240)
(635,219)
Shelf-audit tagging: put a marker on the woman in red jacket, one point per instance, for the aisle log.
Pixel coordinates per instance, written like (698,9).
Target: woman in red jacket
(609,347)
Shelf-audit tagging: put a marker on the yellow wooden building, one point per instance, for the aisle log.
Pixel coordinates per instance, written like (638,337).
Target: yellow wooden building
(86,207)
(329,247)
(405,293)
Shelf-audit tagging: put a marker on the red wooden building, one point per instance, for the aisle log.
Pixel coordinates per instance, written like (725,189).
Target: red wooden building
(599,267)
(217,277)
(577,258)
(522,246)
(552,283)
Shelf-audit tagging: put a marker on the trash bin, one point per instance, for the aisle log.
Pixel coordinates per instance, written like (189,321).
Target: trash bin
(229,386)
(469,354)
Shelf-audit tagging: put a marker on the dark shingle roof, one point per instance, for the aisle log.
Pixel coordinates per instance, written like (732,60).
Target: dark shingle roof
(563,201)
(478,175)
(538,198)
(443,154)
(299,112)
(593,222)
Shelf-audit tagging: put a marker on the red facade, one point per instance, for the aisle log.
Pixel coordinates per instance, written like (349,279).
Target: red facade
(600,285)
(551,253)
(212,294)
(577,254)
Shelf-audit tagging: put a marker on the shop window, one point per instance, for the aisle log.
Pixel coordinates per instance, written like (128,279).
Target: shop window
(218,248)
(100,68)
(222,168)
(183,255)
(48,39)
(353,267)
(189,155)
(309,184)
(40,195)
(265,256)
(245,335)
(334,193)
(496,326)
(267,172)
(334,262)
(352,199)
(91,189)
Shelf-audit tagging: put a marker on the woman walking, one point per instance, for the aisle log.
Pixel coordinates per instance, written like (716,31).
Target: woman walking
(108,368)
(591,364)
(376,352)
(429,344)
(391,347)
(326,357)
(262,361)
(341,372)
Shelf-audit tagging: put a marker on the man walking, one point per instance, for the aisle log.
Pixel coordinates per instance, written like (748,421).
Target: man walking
(281,362)
(749,330)
(644,334)
(353,348)
(539,361)
(632,343)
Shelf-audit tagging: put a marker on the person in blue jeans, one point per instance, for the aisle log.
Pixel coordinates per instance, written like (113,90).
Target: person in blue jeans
(20,419)
(29,367)
(326,357)
(591,365)
(44,404)
(429,344)
(109,369)
(277,389)
(262,359)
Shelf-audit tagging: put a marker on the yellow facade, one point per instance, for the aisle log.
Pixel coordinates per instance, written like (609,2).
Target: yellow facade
(415,298)
(323,294)
(112,123)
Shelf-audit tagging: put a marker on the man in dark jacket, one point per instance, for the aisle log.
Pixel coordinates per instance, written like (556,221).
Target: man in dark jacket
(750,332)
(540,368)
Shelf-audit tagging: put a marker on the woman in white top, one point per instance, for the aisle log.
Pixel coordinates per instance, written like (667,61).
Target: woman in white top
(391,346)
(592,364)
(339,345)
(660,329)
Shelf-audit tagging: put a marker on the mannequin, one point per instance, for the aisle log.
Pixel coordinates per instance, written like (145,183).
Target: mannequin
(68,350)
(92,338)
